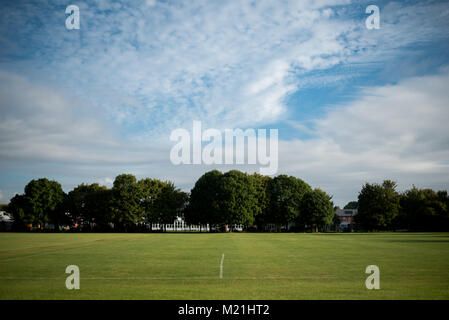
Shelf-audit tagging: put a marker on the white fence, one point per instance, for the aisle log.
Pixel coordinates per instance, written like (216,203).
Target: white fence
(179,226)
(182,226)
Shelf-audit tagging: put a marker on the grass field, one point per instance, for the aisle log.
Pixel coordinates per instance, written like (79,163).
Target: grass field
(255,266)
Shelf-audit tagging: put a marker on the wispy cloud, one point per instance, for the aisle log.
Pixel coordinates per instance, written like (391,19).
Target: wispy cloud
(102,100)
(391,132)
(236,61)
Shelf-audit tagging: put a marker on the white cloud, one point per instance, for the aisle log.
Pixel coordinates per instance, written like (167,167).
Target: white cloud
(150,3)
(158,65)
(395,132)
(40,124)
(181,61)
(106,181)
(102,101)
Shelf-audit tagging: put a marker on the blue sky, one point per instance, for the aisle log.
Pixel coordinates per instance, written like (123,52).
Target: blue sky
(351,104)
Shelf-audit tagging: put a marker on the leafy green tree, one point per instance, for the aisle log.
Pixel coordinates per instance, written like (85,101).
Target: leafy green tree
(18,208)
(125,204)
(97,204)
(378,206)
(262,183)
(443,212)
(317,210)
(150,191)
(59,216)
(286,193)
(351,205)
(336,221)
(76,203)
(43,199)
(180,201)
(238,203)
(423,210)
(170,203)
(203,204)
(89,205)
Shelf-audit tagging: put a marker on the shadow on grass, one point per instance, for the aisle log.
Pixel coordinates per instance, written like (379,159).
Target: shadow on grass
(438,234)
(417,241)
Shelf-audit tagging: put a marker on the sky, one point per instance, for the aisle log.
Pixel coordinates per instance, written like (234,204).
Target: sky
(351,104)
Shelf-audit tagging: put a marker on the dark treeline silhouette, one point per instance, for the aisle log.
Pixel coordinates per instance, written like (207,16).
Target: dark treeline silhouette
(254,200)
(217,199)
(221,200)
(381,207)
(129,205)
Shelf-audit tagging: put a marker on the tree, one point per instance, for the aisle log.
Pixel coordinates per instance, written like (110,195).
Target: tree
(203,206)
(423,210)
(125,204)
(378,206)
(443,212)
(317,210)
(180,201)
(89,205)
(261,184)
(170,203)
(238,203)
(351,205)
(59,216)
(286,193)
(43,199)
(336,221)
(97,205)
(150,191)
(76,203)
(18,208)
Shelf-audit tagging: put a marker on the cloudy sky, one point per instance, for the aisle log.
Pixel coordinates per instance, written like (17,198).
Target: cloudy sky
(351,104)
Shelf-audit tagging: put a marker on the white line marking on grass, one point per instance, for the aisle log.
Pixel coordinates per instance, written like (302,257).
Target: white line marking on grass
(221,266)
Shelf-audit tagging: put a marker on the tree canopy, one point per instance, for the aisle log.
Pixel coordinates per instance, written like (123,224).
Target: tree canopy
(224,199)
(317,210)
(424,210)
(203,206)
(378,205)
(238,202)
(286,195)
(351,205)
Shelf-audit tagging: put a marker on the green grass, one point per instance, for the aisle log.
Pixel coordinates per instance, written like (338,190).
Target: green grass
(256,266)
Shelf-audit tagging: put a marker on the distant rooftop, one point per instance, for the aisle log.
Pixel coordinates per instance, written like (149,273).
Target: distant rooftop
(4,217)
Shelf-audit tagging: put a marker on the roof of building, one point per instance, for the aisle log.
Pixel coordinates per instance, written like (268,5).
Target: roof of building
(4,217)
(346,212)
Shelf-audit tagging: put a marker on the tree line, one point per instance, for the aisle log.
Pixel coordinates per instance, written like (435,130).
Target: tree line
(217,199)
(224,199)
(128,206)
(381,207)
(235,197)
